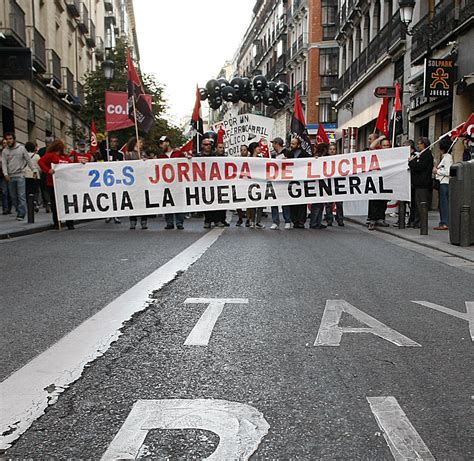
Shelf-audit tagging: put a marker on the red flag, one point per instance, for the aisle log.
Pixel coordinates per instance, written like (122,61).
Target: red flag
(93,138)
(138,107)
(468,128)
(382,120)
(264,146)
(220,136)
(187,148)
(197,126)
(322,136)
(116,110)
(396,124)
(298,126)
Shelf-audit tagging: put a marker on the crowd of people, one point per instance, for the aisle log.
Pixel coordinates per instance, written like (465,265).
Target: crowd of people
(26,170)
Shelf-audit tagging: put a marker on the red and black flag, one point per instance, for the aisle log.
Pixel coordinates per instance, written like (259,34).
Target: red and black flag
(298,126)
(396,124)
(138,108)
(382,120)
(197,128)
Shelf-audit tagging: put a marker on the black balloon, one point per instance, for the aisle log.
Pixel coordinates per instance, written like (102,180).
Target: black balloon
(213,87)
(272,86)
(279,103)
(256,97)
(259,83)
(203,94)
(223,82)
(268,97)
(238,84)
(228,93)
(247,84)
(215,102)
(282,90)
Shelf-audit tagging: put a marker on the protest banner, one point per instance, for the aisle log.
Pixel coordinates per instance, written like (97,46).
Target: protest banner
(244,129)
(141,187)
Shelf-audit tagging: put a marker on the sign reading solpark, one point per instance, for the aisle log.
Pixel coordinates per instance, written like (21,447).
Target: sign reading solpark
(439,77)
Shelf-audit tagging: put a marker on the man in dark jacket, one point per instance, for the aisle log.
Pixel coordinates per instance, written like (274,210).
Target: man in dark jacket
(421,166)
(280,152)
(297,212)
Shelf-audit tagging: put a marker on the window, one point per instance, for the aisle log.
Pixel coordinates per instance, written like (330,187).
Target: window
(327,114)
(328,58)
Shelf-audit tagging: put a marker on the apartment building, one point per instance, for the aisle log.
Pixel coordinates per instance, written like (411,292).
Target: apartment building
(293,41)
(67,39)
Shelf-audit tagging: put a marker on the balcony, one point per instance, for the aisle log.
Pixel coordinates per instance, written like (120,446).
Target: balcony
(90,37)
(281,64)
(12,24)
(300,87)
(328,82)
(38,47)
(99,48)
(68,82)
(54,68)
(74,8)
(83,21)
(303,42)
(446,20)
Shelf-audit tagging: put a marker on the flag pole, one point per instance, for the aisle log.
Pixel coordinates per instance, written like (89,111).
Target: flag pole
(136,125)
(107,147)
(394,126)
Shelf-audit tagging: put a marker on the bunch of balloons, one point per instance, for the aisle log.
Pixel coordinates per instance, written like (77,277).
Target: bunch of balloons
(255,91)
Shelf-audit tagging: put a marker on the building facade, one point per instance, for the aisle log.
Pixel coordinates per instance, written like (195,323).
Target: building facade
(293,41)
(67,39)
(376,50)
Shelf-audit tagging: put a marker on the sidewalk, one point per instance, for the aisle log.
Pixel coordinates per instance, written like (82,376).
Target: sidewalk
(10,227)
(438,240)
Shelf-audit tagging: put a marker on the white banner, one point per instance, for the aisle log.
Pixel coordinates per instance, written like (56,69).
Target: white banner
(244,129)
(141,187)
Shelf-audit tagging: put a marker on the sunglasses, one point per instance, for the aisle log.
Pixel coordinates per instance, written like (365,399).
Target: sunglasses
(206,143)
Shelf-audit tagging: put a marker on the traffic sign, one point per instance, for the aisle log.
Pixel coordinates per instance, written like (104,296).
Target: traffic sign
(384,92)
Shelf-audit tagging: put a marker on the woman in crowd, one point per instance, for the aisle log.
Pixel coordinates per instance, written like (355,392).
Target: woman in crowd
(55,155)
(135,151)
(441,173)
(255,214)
(32,181)
(421,166)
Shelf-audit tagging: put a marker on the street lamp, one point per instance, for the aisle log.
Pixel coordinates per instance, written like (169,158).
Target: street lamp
(108,67)
(406,12)
(334,95)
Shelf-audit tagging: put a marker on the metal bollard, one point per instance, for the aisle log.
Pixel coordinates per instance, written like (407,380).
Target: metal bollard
(402,209)
(423,211)
(30,202)
(465,238)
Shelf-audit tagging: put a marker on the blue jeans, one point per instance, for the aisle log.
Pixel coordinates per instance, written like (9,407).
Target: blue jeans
(6,199)
(17,190)
(276,214)
(316,215)
(444,204)
(170,217)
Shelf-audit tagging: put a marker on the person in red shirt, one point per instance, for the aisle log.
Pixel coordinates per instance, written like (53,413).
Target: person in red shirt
(168,152)
(80,155)
(55,154)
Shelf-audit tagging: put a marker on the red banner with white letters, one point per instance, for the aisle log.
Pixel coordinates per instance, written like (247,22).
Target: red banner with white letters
(116,110)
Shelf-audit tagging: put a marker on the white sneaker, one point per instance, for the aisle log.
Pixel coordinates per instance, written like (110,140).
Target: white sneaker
(287,225)
(274,226)
(252,225)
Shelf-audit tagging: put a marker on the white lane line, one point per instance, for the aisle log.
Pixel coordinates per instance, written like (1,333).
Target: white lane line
(403,440)
(468,316)
(202,331)
(26,393)
(240,427)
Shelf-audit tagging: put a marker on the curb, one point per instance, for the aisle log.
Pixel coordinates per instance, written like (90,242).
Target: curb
(21,233)
(411,240)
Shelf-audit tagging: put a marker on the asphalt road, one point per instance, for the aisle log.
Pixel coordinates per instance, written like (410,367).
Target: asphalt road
(260,353)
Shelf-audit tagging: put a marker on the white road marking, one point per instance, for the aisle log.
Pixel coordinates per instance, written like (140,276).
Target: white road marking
(25,394)
(240,427)
(202,331)
(468,316)
(402,438)
(330,333)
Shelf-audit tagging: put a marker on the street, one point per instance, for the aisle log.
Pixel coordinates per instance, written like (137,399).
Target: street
(288,344)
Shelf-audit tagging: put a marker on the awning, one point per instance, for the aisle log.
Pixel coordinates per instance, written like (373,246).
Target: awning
(366,116)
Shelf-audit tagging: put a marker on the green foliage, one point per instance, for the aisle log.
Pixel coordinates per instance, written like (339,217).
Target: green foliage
(96,85)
